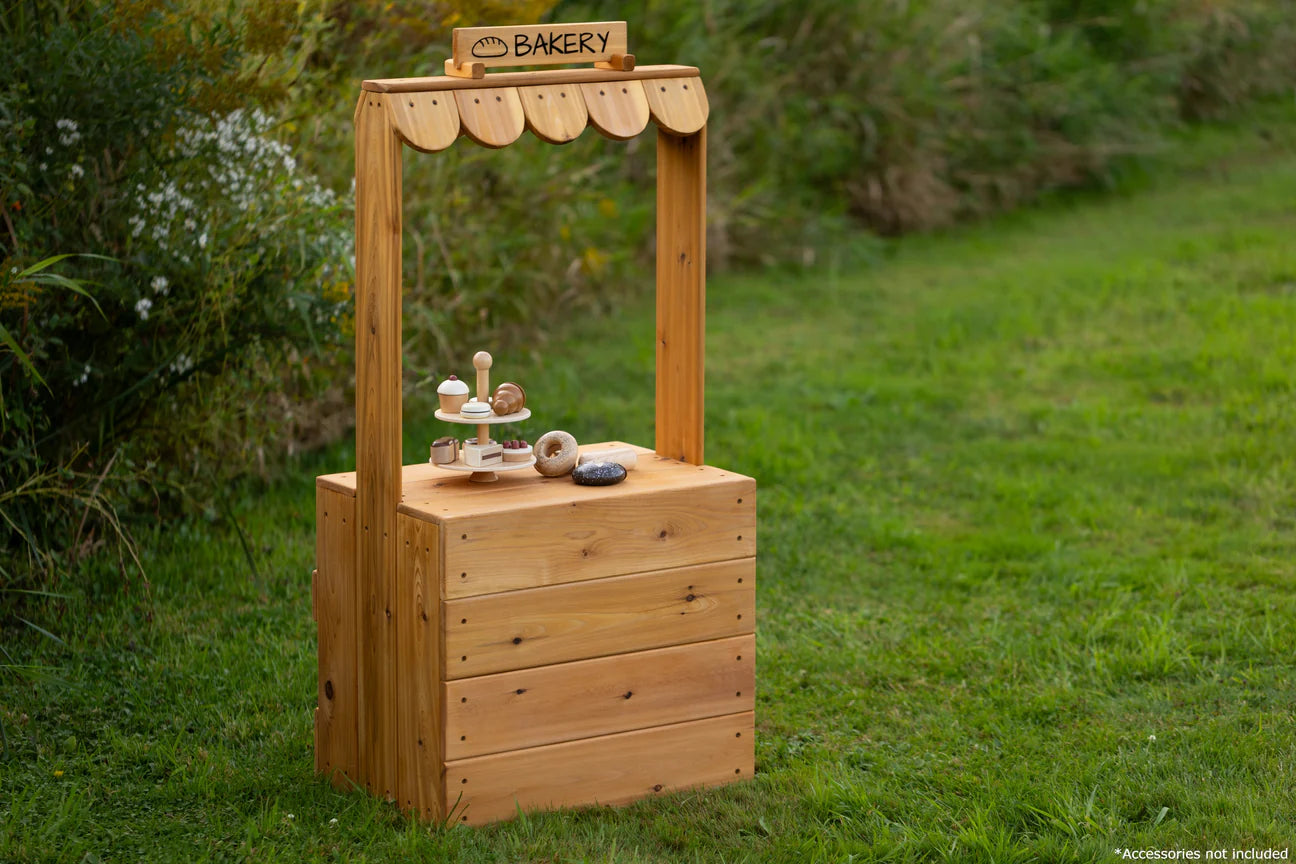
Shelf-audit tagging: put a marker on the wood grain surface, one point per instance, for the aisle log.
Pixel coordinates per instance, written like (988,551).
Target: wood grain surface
(428,122)
(378,433)
(492,118)
(554,112)
(611,769)
(681,294)
(419,715)
(678,105)
(525,79)
(618,109)
(568,701)
(540,626)
(334,601)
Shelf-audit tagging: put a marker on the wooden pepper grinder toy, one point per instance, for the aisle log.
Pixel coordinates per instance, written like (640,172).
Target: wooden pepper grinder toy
(483,451)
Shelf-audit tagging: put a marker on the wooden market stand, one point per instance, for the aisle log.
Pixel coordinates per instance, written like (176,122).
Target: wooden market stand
(530,642)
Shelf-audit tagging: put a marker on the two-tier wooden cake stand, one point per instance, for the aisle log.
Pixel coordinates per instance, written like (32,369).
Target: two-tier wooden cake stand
(530,643)
(482,362)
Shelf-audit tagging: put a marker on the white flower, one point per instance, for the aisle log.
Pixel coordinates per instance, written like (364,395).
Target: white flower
(83,377)
(202,240)
(182,364)
(142,307)
(78,171)
(1152,738)
(44,165)
(291,816)
(68,134)
(159,285)
(333,821)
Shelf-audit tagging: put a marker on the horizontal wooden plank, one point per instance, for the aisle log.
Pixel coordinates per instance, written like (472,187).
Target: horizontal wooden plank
(587,698)
(439,495)
(558,624)
(612,769)
(431,493)
(525,79)
(660,520)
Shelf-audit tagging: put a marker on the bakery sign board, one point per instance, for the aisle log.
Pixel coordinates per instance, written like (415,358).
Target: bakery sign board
(538,44)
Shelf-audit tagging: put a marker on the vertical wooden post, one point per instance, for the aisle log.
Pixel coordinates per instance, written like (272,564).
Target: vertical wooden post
(681,293)
(378,435)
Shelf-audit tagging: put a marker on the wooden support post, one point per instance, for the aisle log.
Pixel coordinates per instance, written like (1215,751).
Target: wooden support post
(378,436)
(681,293)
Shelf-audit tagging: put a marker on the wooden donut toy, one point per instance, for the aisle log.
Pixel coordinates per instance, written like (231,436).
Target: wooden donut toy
(555,453)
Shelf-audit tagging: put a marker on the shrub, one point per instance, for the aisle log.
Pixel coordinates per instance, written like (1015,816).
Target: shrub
(219,289)
(911,115)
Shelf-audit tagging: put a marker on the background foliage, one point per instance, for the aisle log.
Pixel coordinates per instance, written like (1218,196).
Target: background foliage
(218,284)
(204,151)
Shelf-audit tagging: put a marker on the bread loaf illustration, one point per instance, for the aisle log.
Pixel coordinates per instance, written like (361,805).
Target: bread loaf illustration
(489,46)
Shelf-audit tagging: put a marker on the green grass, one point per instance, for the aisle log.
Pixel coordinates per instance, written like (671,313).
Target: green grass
(1027,533)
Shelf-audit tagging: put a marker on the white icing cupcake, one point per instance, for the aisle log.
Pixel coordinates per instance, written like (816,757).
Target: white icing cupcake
(453,393)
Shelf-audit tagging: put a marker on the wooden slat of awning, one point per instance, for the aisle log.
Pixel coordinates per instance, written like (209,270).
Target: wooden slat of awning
(524,79)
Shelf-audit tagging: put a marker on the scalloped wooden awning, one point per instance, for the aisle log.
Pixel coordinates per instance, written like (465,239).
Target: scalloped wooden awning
(429,114)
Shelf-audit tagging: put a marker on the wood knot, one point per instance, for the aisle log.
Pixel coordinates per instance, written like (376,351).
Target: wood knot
(517,640)
(521,690)
(328,690)
(628,694)
(690,597)
(657,788)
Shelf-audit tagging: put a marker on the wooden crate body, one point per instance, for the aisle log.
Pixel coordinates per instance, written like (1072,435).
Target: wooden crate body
(532,643)
(556,645)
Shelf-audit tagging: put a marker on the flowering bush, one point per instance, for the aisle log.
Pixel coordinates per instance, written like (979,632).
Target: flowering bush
(215,299)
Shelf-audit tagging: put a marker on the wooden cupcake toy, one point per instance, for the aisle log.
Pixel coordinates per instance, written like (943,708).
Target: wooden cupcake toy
(452,393)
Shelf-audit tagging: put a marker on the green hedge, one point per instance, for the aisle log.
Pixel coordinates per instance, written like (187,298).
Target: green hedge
(206,283)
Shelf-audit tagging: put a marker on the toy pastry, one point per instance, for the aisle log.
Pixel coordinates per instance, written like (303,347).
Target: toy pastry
(517,451)
(476,410)
(508,398)
(555,453)
(482,455)
(453,393)
(444,450)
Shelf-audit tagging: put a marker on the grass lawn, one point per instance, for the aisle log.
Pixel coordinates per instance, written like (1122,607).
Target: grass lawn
(1026,560)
